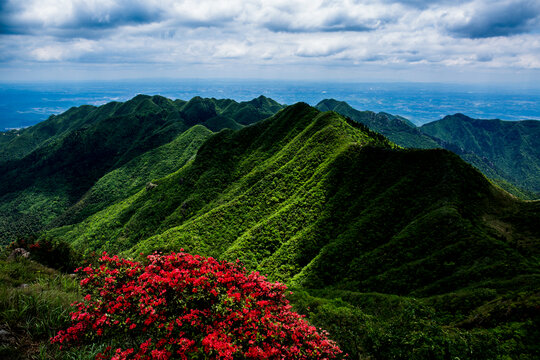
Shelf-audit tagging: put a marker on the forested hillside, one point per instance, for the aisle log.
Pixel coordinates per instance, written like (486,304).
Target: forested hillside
(398,129)
(512,146)
(89,157)
(504,151)
(339,212)
(398,253)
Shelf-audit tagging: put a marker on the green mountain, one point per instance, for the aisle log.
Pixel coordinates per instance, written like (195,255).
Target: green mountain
(304,172)
(249,112)
(74,164)
(504,151)
(512,146)
(399,253)
(16,144)
(396,128)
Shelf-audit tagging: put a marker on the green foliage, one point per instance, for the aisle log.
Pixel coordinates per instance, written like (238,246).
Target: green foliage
(68,167)
(19,143)
(54,253)
(313,201)
(34,305)
(320,202)
(129,178)
(398,129)
(386,327)
(505,151)
(399,253)
(512,146)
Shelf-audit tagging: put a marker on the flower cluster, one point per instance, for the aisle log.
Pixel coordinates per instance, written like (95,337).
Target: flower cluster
(181,306)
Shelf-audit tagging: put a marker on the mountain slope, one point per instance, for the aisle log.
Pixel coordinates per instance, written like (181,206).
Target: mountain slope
(399,253)
(244,158)
(462,135)
(252,111)
(20,143)
(396,128)
(303,198)
(129,178)
(85,144)
(513,146)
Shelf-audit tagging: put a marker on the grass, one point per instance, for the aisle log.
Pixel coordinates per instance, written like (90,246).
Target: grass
(34,305)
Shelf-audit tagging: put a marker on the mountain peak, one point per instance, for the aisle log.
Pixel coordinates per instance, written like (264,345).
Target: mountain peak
(398,129)
(331,104)
(263,102)
(458,116)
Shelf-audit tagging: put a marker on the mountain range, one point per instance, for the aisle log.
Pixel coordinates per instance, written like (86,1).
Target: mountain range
(76,163)
(505,151)
(400,250)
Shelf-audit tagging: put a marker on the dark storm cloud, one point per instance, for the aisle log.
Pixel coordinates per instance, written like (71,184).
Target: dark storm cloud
(83,20)
(7,11)
(123,13)
(325,22)
(423,4)
(500,19)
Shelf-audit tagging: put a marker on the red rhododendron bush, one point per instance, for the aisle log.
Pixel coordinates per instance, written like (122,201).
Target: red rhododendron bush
(181,306)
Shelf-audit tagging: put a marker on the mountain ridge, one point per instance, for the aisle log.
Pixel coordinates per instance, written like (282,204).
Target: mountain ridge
(49,175)
(354,224)
(400,253)
(520,176)
(187,214)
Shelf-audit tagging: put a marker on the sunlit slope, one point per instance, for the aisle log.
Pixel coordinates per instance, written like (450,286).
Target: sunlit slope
(230,163)
(129,178)
(396,128)
(321,202)
(91,157)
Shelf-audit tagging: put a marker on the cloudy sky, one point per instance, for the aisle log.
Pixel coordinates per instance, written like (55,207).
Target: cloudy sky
(381,40)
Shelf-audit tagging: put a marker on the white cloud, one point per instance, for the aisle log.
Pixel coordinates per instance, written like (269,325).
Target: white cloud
(280,33)
(231,50)
(49,53)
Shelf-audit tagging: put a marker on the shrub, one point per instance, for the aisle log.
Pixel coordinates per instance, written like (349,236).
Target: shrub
(183,306)
(50,252)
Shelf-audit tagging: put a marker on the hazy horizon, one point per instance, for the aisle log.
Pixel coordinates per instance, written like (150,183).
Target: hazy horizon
(26,103)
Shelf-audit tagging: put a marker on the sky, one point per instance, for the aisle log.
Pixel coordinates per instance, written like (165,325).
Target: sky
(485,41)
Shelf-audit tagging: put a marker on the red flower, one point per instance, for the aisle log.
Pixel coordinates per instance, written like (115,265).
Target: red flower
(194,307)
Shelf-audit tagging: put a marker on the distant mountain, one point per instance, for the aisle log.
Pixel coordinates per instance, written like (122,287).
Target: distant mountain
(396,128)
(505,151)
(90,157)
(512,146)
(249,112)
(22,142)
(356,225)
